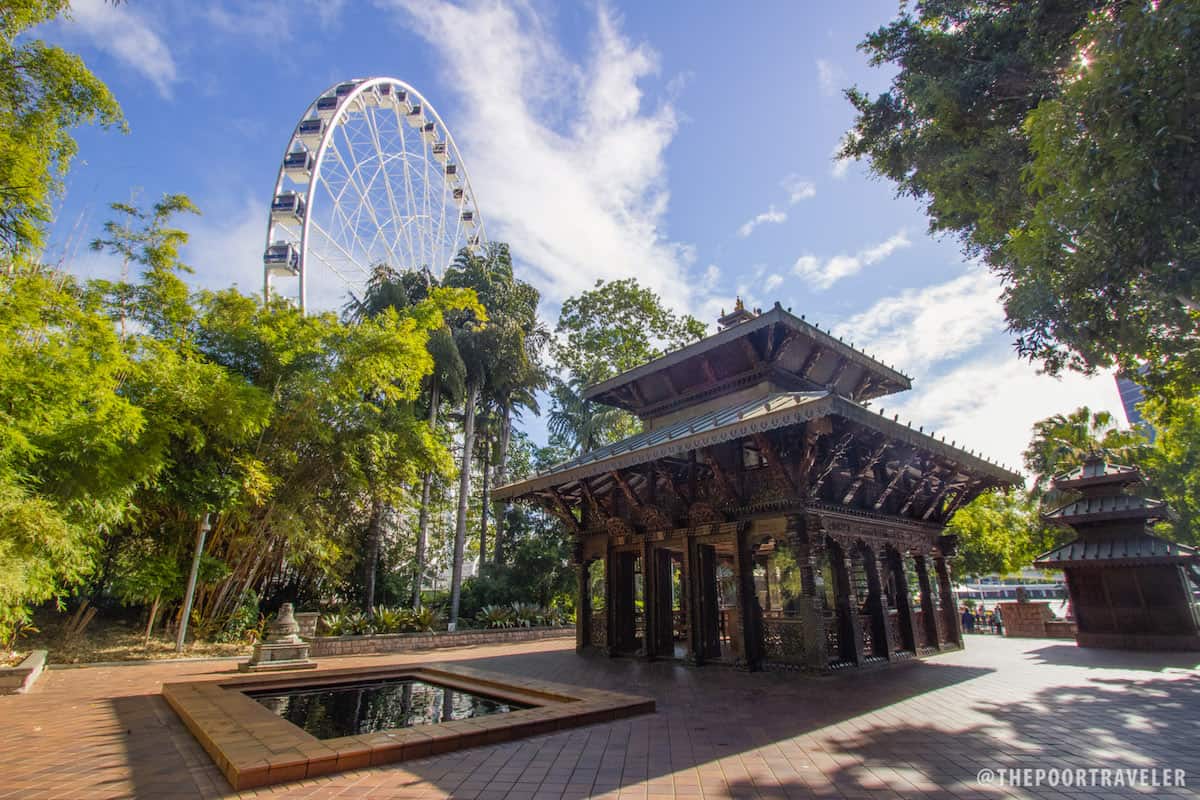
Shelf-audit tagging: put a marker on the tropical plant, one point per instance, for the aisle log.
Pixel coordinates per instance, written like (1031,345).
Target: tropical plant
(1062,442)
(526,615)
(496,617)
(490,343)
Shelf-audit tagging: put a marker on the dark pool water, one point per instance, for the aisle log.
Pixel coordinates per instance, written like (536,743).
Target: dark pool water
(349,709)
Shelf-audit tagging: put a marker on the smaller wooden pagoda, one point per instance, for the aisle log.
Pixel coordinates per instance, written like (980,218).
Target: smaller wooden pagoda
(765,516)
(1129,589)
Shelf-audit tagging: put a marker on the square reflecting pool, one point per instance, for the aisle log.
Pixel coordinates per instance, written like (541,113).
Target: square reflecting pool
(328,712)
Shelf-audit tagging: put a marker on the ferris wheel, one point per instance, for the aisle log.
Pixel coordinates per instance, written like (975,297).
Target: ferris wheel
(370,176)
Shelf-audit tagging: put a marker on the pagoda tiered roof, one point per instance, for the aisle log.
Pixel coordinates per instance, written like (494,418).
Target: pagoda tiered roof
(774,346)
(1141,548)
(759,415)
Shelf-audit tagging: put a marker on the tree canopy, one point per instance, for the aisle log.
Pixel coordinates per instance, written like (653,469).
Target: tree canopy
(45,92)
(1059,142)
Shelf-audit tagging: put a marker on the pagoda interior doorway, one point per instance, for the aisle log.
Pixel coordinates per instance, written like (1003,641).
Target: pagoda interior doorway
(670,620)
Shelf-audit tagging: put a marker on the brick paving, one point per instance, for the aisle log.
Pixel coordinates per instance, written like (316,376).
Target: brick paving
(923,729)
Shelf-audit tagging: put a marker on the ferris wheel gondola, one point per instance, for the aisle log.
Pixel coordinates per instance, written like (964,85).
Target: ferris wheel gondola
(371,175)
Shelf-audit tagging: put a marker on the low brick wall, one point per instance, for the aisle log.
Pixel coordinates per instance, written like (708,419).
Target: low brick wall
(18,679)
(322,646)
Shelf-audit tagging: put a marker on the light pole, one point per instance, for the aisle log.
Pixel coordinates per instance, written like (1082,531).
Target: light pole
(201,533)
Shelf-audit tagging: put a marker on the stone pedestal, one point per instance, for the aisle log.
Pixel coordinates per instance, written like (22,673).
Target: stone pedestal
(283,649)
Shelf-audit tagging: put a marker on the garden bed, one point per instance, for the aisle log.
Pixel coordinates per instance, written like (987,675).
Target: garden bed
(323,646)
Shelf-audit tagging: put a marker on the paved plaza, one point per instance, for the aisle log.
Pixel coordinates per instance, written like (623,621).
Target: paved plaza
(925,729)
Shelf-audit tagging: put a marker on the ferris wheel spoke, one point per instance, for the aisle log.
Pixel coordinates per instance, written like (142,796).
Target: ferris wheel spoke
(375,188)
(381,156)
(365,205)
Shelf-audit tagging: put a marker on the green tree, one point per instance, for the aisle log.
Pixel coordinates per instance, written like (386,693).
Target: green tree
(1059,142)
(616,326)
(1000,532)
(602,332)
(70,461)
(1062,442)
(45,92)
(389,289)
(491,345)
(1172,465)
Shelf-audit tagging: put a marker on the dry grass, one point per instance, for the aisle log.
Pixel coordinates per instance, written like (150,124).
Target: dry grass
(116,640)
(11,659)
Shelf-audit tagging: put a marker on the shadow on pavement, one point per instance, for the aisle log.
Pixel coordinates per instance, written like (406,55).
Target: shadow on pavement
(1097,658)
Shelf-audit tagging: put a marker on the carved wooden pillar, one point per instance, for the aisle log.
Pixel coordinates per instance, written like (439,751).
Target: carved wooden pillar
(613,577)
(952,621)
(877,603)
(851,639)
(928,610)
(904,609)
(808,547)
(692,596)
(650,611)
(583,605)
(747,613)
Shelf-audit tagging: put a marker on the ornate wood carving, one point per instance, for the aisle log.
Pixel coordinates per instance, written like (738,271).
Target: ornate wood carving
(836,454)
(626,489)
(838,371)
(868,468)
(563,511)
(897,479)
(750,351)
(703,513)
(931,474)
(811,362)
(618,527)
(722,477)
(774,463)
(932,508)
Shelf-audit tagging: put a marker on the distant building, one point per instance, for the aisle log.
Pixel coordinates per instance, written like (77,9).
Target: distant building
(1131,395)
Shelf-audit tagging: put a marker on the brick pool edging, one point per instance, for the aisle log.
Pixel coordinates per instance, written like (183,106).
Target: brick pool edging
(324,646)
(253,747)
(19,679)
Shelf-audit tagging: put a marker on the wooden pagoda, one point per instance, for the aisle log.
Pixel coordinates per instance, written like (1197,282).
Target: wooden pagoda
(765,516)
(1129,589)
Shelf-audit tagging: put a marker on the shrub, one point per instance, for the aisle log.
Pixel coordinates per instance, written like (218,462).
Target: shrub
(496,617)
(526,615)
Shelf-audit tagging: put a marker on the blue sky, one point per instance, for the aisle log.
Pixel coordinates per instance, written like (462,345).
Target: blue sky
(689,145)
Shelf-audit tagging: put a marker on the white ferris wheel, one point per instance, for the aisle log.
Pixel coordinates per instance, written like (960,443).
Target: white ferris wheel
(370,176)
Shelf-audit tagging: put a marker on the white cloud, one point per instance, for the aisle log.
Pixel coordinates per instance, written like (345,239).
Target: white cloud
(822,275)
(271,21)
(567,159)
(126,36)
(829,77)
(968,386)
(773,282)
(798,188)
(938,322)
(771,215)
(991,403)
(712,274)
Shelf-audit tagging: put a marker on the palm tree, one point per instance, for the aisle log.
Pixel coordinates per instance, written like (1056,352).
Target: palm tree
(489,350)
(580,424)
(389,288)
(1063,441)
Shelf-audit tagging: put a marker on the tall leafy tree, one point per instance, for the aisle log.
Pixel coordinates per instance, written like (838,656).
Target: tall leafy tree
(1173,463)
(1059,142)
(45,92)
(389,289)
(1000,532)
(609,329)
(490,346)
